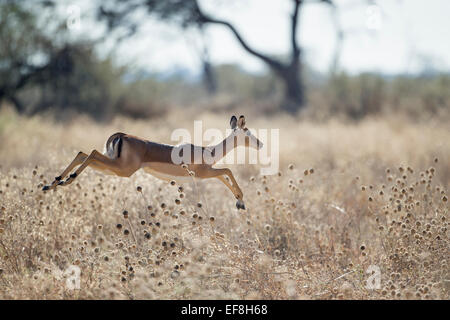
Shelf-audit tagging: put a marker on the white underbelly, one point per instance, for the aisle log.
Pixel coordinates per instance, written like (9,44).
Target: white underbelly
(107,172)
(167,176)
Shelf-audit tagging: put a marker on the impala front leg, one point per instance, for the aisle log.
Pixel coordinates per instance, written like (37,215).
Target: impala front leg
(238,194)
(234,187)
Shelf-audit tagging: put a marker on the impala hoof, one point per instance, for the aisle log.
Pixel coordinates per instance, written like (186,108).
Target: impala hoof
(45,188)
(240,204)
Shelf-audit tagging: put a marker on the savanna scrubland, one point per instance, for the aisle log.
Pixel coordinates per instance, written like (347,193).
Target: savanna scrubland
(357,210)
(350,195)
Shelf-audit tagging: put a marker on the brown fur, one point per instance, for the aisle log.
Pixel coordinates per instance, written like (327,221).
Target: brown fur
(154,158)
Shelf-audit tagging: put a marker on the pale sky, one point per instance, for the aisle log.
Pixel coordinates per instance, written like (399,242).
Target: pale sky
(395,36)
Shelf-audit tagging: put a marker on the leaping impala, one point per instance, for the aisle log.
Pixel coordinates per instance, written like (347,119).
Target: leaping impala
(125,154)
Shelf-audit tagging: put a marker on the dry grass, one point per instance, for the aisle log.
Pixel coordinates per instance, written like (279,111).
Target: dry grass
(304,236)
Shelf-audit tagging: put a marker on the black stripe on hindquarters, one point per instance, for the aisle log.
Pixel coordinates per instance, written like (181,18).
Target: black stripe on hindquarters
(117,142)
(111,144)
(119,147)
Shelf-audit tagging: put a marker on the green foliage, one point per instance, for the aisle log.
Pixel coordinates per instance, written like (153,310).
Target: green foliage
(22,44)
(151,95)
(232,80)
(419,95)
(93,86)
(182,12)
(19,37)
(356,96)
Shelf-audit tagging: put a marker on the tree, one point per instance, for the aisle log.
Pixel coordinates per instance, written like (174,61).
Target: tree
(208,74)
(20,40)
(28,56)
(189,13)
(62,74)
(289,72)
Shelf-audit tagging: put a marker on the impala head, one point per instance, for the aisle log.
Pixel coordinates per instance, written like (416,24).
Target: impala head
(242,135)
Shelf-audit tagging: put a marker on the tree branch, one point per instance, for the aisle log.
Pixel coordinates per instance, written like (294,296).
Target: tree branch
(294,22)
(33,72)
(276,65)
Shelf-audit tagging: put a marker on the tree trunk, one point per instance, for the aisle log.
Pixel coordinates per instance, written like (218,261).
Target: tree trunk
(289,73)
(294,97)
(17,103)
(209,78)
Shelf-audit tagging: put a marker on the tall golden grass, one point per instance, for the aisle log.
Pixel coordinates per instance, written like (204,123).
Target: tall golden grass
(348,196)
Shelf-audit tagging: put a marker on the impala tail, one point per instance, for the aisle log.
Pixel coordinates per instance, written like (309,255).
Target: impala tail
(113,146)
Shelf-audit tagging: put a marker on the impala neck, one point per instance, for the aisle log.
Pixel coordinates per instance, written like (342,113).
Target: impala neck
(221,149)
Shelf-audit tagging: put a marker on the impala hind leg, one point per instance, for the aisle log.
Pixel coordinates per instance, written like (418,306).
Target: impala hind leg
(79,159)
(100,162)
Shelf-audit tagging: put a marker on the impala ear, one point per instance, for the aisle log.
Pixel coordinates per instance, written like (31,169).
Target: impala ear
(241,122)
(233,122)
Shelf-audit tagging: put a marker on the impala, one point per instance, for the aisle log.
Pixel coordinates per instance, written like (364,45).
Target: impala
(125,154)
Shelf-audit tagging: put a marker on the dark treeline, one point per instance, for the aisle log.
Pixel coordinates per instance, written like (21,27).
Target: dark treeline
(42,71)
